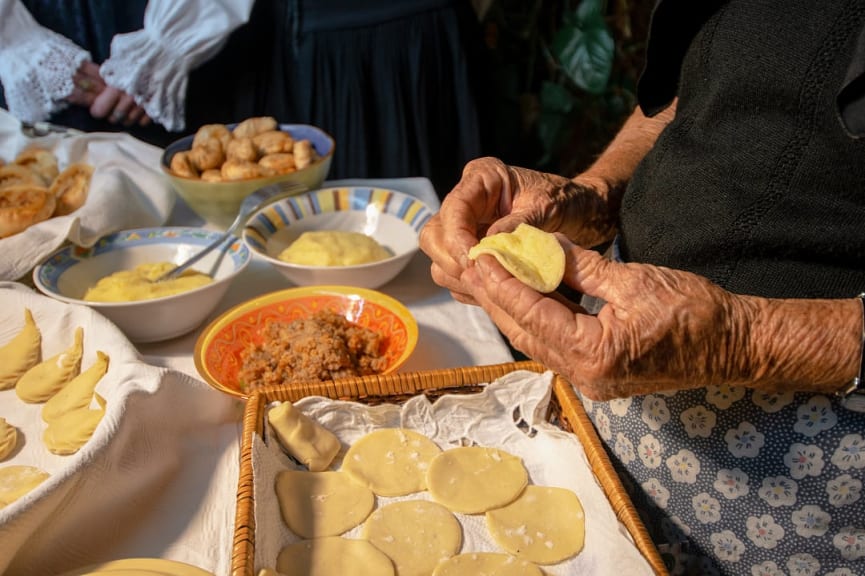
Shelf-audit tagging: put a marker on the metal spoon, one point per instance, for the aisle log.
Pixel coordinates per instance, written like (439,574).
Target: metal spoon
(257,199)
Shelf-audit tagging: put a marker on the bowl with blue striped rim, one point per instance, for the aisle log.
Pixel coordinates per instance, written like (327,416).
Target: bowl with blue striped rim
(392,218)
(67,274)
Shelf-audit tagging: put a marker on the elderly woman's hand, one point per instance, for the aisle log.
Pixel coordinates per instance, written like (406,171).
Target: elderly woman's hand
(660,329)
(493,197)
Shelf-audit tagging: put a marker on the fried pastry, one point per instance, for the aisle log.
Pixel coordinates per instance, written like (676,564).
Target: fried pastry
(70,188)
(22,206)
(256,125)
(280,163)
(241,149)
(182,166)
(21,353)
(15,175)
(240,170)
(210,131)
(207,155)
(41,162)
(213,175)
(273,142)
(303,153)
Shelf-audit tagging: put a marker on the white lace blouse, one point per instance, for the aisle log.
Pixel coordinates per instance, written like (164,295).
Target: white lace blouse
(152,64)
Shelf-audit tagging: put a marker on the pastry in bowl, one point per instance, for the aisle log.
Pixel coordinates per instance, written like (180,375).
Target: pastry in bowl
(215,168)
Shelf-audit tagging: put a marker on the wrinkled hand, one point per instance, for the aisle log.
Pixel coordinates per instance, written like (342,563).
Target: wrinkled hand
(118,107)
(493,197)
(660,329)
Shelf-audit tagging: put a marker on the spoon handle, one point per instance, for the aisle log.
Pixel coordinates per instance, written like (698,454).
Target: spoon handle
(174,272)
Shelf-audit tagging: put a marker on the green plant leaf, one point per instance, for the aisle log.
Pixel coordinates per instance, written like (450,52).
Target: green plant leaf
(584,48)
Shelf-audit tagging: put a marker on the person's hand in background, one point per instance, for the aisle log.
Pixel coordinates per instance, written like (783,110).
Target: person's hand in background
(90,91)
(118,107)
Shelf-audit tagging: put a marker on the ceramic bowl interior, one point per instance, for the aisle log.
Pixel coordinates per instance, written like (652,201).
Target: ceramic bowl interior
(218,202)
(392,218)
(218,350)
(70,271)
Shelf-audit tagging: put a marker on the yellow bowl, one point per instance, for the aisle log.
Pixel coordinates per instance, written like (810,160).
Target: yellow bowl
(219,202)
(219,347)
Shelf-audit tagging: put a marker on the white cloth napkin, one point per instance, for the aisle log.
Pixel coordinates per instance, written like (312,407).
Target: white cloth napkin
(154,424)
(551,456)
(128,190)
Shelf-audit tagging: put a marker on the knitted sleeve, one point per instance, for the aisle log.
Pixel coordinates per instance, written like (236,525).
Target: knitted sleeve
(36,64)
(153,63)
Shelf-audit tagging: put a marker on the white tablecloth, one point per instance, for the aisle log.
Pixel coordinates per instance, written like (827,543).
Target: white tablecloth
(192,519)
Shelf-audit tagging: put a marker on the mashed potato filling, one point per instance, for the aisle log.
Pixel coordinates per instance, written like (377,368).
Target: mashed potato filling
(139,284)
(333,248)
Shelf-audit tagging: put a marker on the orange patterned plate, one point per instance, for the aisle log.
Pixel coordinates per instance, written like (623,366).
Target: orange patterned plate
(218,348)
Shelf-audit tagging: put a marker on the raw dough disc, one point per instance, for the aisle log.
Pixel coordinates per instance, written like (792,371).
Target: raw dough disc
(544,525)
(16,481)
(333,556)
(139,567)
(486,564)
(474,479)
(391,461)
(415,534)
(533,256)
(316,504)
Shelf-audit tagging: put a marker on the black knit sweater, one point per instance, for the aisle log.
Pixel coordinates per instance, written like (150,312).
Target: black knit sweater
(756,184)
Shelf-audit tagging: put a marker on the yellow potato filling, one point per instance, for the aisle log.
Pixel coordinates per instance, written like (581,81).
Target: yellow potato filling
(333,248)
(139,284)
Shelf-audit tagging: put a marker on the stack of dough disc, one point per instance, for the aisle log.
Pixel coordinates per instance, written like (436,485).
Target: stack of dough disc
(34,189)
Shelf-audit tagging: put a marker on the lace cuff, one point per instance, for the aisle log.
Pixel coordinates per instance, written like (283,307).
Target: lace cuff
(153,64)
(36,66)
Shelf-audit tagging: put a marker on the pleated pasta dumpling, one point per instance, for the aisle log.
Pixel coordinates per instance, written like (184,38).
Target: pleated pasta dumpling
(45,379)
(21,353)
(78,392)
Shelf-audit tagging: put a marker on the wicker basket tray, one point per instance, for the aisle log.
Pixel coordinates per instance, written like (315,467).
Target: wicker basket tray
(565,410)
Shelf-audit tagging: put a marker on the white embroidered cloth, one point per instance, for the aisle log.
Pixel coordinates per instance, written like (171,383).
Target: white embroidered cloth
(152,64)
(551,456)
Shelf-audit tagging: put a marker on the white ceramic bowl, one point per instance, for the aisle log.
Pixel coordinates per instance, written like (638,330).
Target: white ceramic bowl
(70,271)
(218,202)
(391,218)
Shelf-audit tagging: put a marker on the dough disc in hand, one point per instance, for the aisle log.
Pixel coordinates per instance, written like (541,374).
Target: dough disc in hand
(544,525)
(391,461)
(474,479)
(533,256)
(415,534)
